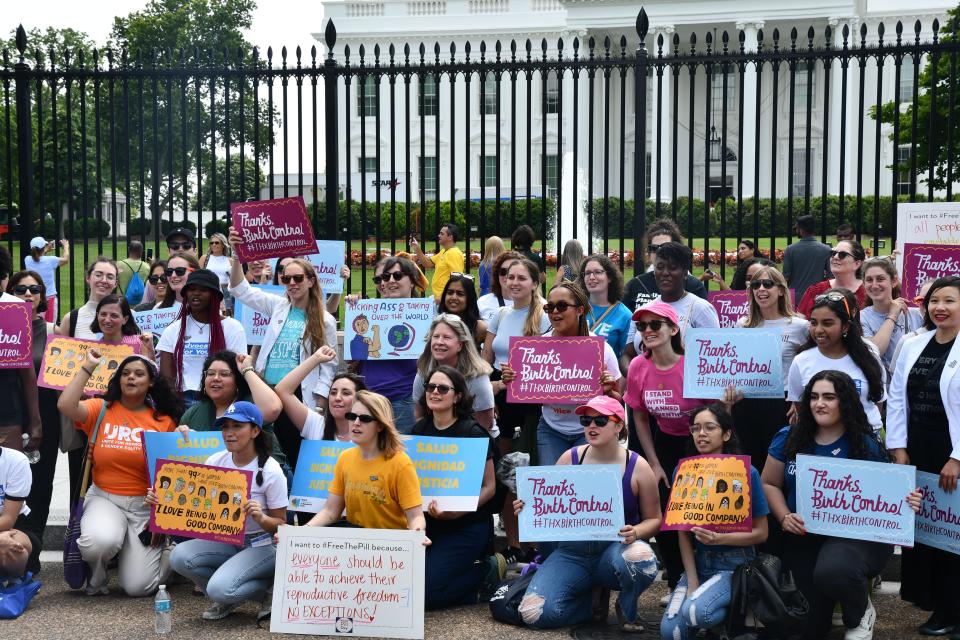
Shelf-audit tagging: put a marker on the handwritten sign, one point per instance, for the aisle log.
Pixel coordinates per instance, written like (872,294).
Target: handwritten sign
(272,229)
(583,502)
(387,328)
(314,473)
(938,523)
(922,262)
(856,499)
(254,322)
(64,356)
(156,320)
(352,582)
(732,305)
(199,501)
(927,223)
(712,492)
(328,261)
(173,446)
(747,358)
(16,335)
(553,370)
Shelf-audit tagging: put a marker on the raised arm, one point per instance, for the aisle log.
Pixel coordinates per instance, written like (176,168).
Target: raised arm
(263,396)
(286,389)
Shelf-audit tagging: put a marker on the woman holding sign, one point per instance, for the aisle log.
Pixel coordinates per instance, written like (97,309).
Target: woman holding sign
(923,429)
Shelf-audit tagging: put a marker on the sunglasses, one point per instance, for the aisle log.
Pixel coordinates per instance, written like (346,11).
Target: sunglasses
(504,271)
(365,418)
(156,279)
(600,421)
(841,255)
(652,248)
(178,246)
(766,283)
(21,289)
(465,276)
(834,297)
(215,242)
(298,278)
(559,307)
(442,389)
(655,325)
(180,271)
(397,277)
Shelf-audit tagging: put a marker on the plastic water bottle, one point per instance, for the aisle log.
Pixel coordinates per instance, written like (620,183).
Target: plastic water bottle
(33,456)
(161,606)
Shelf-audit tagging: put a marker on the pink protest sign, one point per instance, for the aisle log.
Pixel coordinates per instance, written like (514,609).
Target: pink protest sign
(922,262)
(732,305)
(273,229)
(561,370)
(16,335)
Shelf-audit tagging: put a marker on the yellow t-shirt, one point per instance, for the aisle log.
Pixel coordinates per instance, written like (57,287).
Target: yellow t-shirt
(445,262)
(377,491)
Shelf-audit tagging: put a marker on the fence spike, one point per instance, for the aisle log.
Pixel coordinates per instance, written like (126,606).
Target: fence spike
(330,36)
(643,25)
(21,40)
(810,35)
(880,32)
(936,30)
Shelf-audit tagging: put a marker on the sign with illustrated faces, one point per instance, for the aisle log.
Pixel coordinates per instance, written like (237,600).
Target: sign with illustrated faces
(922,262)
(63,357)
(272,229)
(16,335)
(748,359)
(386,328)
(712,492)
(254,322)
(196,448)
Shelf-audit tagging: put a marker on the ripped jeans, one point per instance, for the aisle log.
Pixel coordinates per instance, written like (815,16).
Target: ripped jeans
(707,606)
(560,592)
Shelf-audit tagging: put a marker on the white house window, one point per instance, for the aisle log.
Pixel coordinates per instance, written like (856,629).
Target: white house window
(800,173)
(551,167)
(903,170)
(553,93)
(802,86)
(367,164)
(367,97)
(488,103)
(428,177)
(489,171)
(428,96)
(716,92)
(906,79)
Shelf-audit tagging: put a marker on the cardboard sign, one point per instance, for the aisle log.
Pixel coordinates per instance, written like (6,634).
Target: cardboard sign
(386,328)
(254,322)
(156,320)
(349,582)
(198,501)
(16,335)
(329,259)
(555,370)
(172,446)
(712,492)
(922,262)
(64,356)
(583,502)
(938,523)
(747,358)
(927,223)
(732,305)
(856,499)
(272,229)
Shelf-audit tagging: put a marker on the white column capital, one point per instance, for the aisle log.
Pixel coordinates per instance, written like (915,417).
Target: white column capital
(750,25)
(573,32)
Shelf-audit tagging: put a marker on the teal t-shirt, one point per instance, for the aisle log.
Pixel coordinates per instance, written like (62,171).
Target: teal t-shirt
(614,327)
(285,355)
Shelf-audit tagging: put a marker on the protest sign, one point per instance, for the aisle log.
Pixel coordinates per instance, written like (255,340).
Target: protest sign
(386,329)
(938,523)
(356,582)
(856,499)
(156,320)
(747,358)
(254,322)
(199,501)
(328,261)
(314,473)
(16,335)
(732,305)
(922,262)
(64,356)
(927,223)
(713,492)
(272,228)
(583,502)
(173,446)
(555,370)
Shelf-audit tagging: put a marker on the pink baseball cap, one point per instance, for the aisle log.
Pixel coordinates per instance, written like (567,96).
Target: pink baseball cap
(659,308)
(604,405)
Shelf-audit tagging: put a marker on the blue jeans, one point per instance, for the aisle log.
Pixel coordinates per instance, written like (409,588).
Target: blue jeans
(551,444)
(456,564)
(403,414)
(229,574)
(707,605)
(560,592)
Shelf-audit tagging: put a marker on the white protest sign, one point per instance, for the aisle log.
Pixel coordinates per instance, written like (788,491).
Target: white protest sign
(927,223)
(156,320)
(347,581)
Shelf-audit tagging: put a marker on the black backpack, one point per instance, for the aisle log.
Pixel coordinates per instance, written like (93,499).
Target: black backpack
(762,586)
(505,601)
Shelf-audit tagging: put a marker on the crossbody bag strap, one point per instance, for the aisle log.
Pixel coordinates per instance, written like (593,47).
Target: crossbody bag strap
(596,323)
(87,462)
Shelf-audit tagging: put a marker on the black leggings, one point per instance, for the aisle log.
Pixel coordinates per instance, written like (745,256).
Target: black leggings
(669,450)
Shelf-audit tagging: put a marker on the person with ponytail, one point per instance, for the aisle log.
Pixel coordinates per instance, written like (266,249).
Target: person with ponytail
(46,266)
(198,332)
(229,574)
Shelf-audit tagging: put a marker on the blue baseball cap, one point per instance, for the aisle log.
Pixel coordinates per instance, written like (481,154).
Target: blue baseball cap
(241,412)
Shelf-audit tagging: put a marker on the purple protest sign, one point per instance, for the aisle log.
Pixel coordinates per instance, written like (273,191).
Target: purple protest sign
(732,305)
(922,262)
(16,335)
(555,370)
(273,229)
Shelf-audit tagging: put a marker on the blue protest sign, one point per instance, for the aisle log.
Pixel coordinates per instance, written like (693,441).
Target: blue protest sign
(856,499)
(328,260)
(255,323)
(172,446)
(386,328)
(747,358)
(156,320)
(583,502)
(938,523)
(314,473)
(450,470)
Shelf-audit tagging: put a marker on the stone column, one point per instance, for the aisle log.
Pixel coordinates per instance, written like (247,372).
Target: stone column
(749,133)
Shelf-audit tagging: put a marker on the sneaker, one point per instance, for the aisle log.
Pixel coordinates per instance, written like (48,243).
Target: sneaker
(219,611)
(864,630)
(512,556)
(96,591)
(665,600)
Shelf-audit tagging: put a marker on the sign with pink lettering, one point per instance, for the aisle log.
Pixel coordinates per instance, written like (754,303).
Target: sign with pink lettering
(922,262)
(746,358)
(732,305)
(273,229)
(16,335)
(555,370)
(582,502)
(856,499)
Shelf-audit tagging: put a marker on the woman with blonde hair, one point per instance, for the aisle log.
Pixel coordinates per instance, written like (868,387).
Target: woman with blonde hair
(492,248)
(217,259)
(570,262)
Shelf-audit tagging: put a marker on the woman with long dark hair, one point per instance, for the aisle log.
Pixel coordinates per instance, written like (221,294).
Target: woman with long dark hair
(180,265)
(606,316)
(846,260)
(156,287)
(459,297)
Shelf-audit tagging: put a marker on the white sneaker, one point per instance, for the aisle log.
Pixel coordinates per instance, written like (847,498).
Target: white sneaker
(219,611)
(864,630)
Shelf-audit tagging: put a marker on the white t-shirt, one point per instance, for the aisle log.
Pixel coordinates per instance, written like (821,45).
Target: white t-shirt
(561,417)
(692,311)
(507,324)
(312,426)
(46,267)
(489,306)
(220,265)
(809,362)
(196,345)
(15,478)
(85,316)
(796,331)
(272,494)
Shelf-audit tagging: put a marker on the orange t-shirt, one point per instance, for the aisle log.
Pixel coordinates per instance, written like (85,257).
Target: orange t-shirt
(119,465)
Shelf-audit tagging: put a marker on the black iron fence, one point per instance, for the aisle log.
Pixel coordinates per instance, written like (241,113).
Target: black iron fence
(733,135)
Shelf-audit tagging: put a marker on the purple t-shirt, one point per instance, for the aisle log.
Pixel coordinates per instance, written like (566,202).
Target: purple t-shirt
(392,379)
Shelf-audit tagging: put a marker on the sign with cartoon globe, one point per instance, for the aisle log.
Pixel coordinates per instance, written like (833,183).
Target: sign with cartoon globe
(386,329)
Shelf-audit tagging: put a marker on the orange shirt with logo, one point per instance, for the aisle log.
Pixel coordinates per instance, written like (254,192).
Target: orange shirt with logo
(119,465)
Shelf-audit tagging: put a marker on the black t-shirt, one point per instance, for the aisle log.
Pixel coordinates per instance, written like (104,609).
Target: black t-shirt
(927,412)
(643,288)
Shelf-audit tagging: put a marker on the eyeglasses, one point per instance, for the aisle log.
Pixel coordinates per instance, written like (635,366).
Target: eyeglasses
(593,273)
(841,255)
(179,271)
(397,277)
(100,275)
(559,307)
(365,418)
(297,277)
(211,373)
(178,246)
(652,248)
(457,274)
(21,289)
(156,279)
(834,296)
(706,427)
(766,283)
(442,389)
(655,325)
(600,421)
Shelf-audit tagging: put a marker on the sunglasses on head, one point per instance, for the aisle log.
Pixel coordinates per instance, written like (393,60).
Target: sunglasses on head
(296,277)
(600,421)
(766,283)
(157,278)
(834,296)
(559,307)
(655,325)
(179,246)
(465,276)
(397,277)
(365,418)
(442,389)
(841,255)
(180,271)
(21,289)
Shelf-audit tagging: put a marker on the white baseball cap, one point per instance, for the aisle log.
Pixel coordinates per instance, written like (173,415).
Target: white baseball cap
(38,243)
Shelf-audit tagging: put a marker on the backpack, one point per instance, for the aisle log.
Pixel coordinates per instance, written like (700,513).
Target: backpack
(505,601)
(765,588)
(135,288)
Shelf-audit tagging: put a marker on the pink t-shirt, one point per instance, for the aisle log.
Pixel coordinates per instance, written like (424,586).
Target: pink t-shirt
(660,393)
